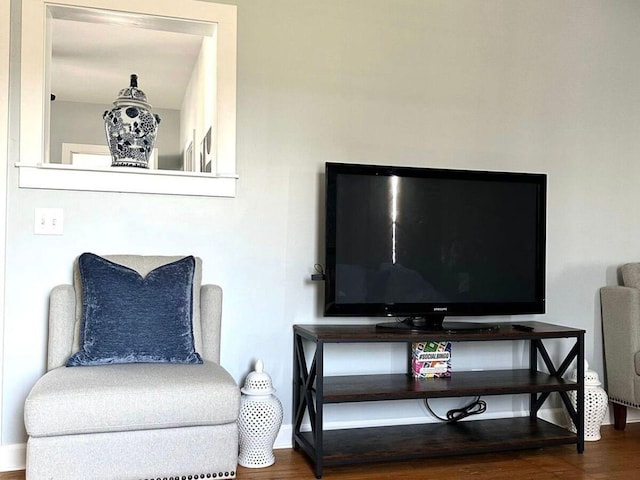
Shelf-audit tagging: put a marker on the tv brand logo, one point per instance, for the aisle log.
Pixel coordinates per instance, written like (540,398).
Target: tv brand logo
(440,309)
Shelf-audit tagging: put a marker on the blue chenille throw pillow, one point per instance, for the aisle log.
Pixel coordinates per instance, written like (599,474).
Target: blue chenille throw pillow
(130,319)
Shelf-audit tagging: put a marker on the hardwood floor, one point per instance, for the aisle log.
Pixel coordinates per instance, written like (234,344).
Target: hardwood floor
(615,457)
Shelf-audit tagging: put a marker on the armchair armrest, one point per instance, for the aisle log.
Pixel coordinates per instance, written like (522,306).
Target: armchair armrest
(621,332)
(62,319)
(211,320)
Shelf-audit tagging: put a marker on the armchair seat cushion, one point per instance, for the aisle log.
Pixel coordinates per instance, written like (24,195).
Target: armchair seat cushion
(124,397)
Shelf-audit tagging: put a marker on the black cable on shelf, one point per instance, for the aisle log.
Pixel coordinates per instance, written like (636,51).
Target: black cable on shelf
(476,407)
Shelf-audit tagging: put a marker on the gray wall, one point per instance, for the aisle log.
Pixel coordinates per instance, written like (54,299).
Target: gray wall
(546,86)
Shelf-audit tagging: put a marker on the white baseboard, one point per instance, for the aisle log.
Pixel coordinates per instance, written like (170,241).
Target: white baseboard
(284,438)
(13,457)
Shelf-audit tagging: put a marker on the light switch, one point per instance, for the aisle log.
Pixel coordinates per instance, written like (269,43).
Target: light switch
(48,221)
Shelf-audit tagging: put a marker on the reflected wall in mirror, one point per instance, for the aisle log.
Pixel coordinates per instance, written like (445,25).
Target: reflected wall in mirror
(184,56)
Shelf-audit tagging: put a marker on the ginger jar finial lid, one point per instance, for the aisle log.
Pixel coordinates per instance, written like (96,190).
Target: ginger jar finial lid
(132,95)
(258,382)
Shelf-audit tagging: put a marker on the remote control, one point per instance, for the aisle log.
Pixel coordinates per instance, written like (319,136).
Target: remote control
(524,328)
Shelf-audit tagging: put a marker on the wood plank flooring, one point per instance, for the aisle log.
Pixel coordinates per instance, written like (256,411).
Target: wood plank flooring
(615,457)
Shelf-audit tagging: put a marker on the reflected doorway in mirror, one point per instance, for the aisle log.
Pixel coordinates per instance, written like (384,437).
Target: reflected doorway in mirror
(95,157)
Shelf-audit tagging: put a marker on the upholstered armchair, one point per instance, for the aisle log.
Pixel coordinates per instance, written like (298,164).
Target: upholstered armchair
(621,333)
(151,402)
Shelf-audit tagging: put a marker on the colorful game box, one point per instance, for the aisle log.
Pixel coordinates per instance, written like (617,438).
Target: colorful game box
(431,359)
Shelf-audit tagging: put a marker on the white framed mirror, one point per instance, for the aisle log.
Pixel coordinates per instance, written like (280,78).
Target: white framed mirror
(83,52)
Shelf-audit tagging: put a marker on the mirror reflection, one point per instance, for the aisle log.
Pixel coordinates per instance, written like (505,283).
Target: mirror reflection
(92,55)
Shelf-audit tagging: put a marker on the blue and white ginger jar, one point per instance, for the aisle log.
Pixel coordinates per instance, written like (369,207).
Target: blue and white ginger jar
(131,128)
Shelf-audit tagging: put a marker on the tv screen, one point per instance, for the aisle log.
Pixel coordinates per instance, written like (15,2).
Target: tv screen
(427,243)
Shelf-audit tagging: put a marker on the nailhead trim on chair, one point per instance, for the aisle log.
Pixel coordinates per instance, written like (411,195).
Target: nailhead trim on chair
(624,402)
(231,474)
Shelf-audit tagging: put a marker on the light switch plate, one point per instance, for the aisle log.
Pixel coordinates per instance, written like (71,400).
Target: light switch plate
(48,221)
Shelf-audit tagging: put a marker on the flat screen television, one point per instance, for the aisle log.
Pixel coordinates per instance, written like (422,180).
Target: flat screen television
(422,244)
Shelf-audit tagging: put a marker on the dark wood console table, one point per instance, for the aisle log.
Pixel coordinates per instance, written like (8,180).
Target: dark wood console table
(313,389)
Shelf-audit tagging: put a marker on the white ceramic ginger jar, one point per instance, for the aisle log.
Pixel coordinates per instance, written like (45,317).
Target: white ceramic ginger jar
(259,421)
(131,127)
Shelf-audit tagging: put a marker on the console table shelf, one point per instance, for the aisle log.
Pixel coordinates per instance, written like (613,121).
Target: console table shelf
(360,388)
(405,442)
(313,389)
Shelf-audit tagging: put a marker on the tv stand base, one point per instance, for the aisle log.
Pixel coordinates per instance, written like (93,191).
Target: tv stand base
(439,325)
(313,388)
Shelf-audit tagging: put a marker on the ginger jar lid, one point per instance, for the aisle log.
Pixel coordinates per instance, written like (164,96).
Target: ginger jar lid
(258,382)
(132,95)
